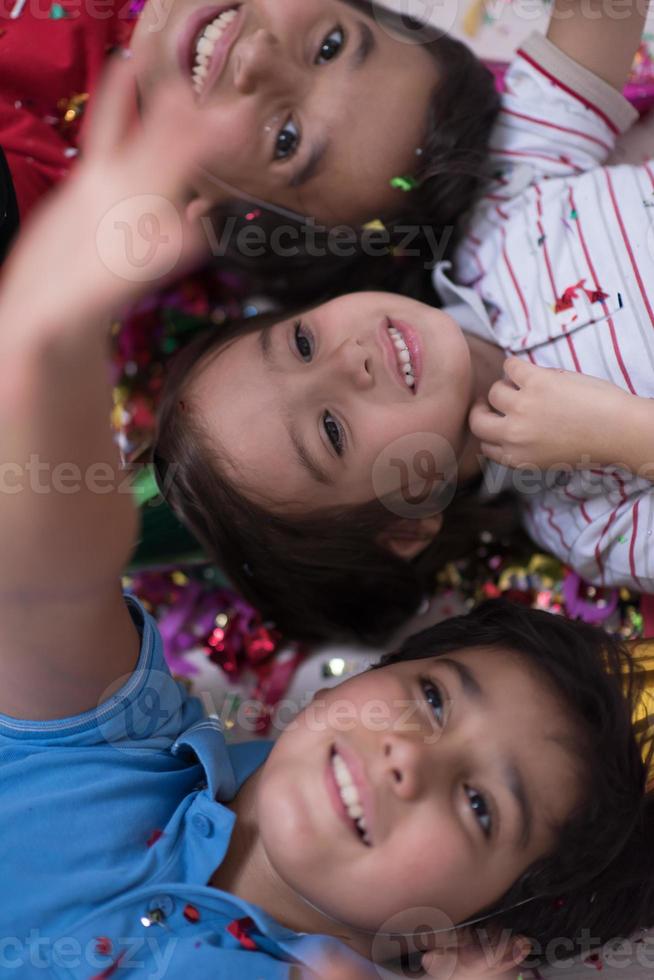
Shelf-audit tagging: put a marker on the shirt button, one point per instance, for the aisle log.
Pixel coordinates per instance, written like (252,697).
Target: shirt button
(202,825)
(164,903)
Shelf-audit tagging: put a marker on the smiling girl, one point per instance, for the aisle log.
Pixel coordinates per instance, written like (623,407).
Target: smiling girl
(329,460)
(297,90)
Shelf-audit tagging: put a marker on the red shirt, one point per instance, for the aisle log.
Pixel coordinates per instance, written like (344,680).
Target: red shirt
(50,63)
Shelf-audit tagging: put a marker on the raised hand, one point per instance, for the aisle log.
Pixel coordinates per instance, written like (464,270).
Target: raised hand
(117,227)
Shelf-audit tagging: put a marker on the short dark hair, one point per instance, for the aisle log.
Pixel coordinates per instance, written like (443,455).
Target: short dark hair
(450,175)
(600,875)
(322,575)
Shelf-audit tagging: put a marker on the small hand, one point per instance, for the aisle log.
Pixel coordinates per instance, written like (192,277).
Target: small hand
(117,227)
(544,417)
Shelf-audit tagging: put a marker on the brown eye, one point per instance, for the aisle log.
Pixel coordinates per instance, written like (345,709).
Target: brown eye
(303,343)
(288,140)
(331,47)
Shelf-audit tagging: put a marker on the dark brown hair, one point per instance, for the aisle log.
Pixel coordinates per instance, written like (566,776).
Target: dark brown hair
(599,878)
(450,174)
(319,575)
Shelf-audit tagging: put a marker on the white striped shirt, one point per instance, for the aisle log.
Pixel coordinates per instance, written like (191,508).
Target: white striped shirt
(558,268)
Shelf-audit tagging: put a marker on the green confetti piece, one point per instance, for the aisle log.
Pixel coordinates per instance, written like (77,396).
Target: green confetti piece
(405,184)
(573,214)
(57,12)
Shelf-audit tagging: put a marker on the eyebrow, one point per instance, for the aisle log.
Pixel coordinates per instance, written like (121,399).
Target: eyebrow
(515,782)
(319,150)
(467,679)
(512,775)
(305,458)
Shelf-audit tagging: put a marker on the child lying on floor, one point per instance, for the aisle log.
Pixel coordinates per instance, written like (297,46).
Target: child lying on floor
(284,435)
(487,772)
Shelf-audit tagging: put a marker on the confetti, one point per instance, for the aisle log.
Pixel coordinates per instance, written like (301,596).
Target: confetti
(376,225)
(253,215)
(190,913)
(57,12)
(154,837)
(17,9)
(239,929)
(405,184)
(103,946)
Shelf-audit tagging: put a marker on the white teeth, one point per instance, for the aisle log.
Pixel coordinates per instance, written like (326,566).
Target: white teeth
(403,356)
(349,794)
(205,45)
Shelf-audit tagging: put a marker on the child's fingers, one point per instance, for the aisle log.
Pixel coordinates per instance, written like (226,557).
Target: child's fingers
(519,371)
(112,110)
(485,424)
(502,396)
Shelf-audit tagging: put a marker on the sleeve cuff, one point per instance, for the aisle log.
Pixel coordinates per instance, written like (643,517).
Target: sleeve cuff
(593,92)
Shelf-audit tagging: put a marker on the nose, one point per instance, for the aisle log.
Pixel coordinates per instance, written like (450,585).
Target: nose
(351,361)
(403,764)
(256,59)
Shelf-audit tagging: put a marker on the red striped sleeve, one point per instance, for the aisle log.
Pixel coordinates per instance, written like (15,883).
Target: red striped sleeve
(579,500)
(555,527)
(561,129)
(591,267)
(625,237)
(550,272)
(565,88)
(532,155)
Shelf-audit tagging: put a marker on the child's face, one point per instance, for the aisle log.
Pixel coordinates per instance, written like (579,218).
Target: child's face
(301,413)
(463,773)
(303,79)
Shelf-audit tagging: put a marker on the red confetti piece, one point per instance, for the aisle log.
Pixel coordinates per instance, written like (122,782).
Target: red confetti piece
(111,969)
(596,295)
(154,837)
(103,946)
(239,929)
(253,215)
(191,914)
(565,302)
(594,960)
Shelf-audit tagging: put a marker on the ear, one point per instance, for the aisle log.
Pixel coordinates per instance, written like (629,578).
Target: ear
(407,539)
(500,960)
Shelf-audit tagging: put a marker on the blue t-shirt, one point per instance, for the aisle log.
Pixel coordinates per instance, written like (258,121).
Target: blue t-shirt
(110,828)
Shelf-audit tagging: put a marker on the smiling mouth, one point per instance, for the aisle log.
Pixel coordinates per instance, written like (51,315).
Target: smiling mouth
(349,795)
(403,355)
(203,46)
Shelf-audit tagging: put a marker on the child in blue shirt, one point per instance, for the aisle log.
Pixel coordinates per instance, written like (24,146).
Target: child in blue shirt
(486,772)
